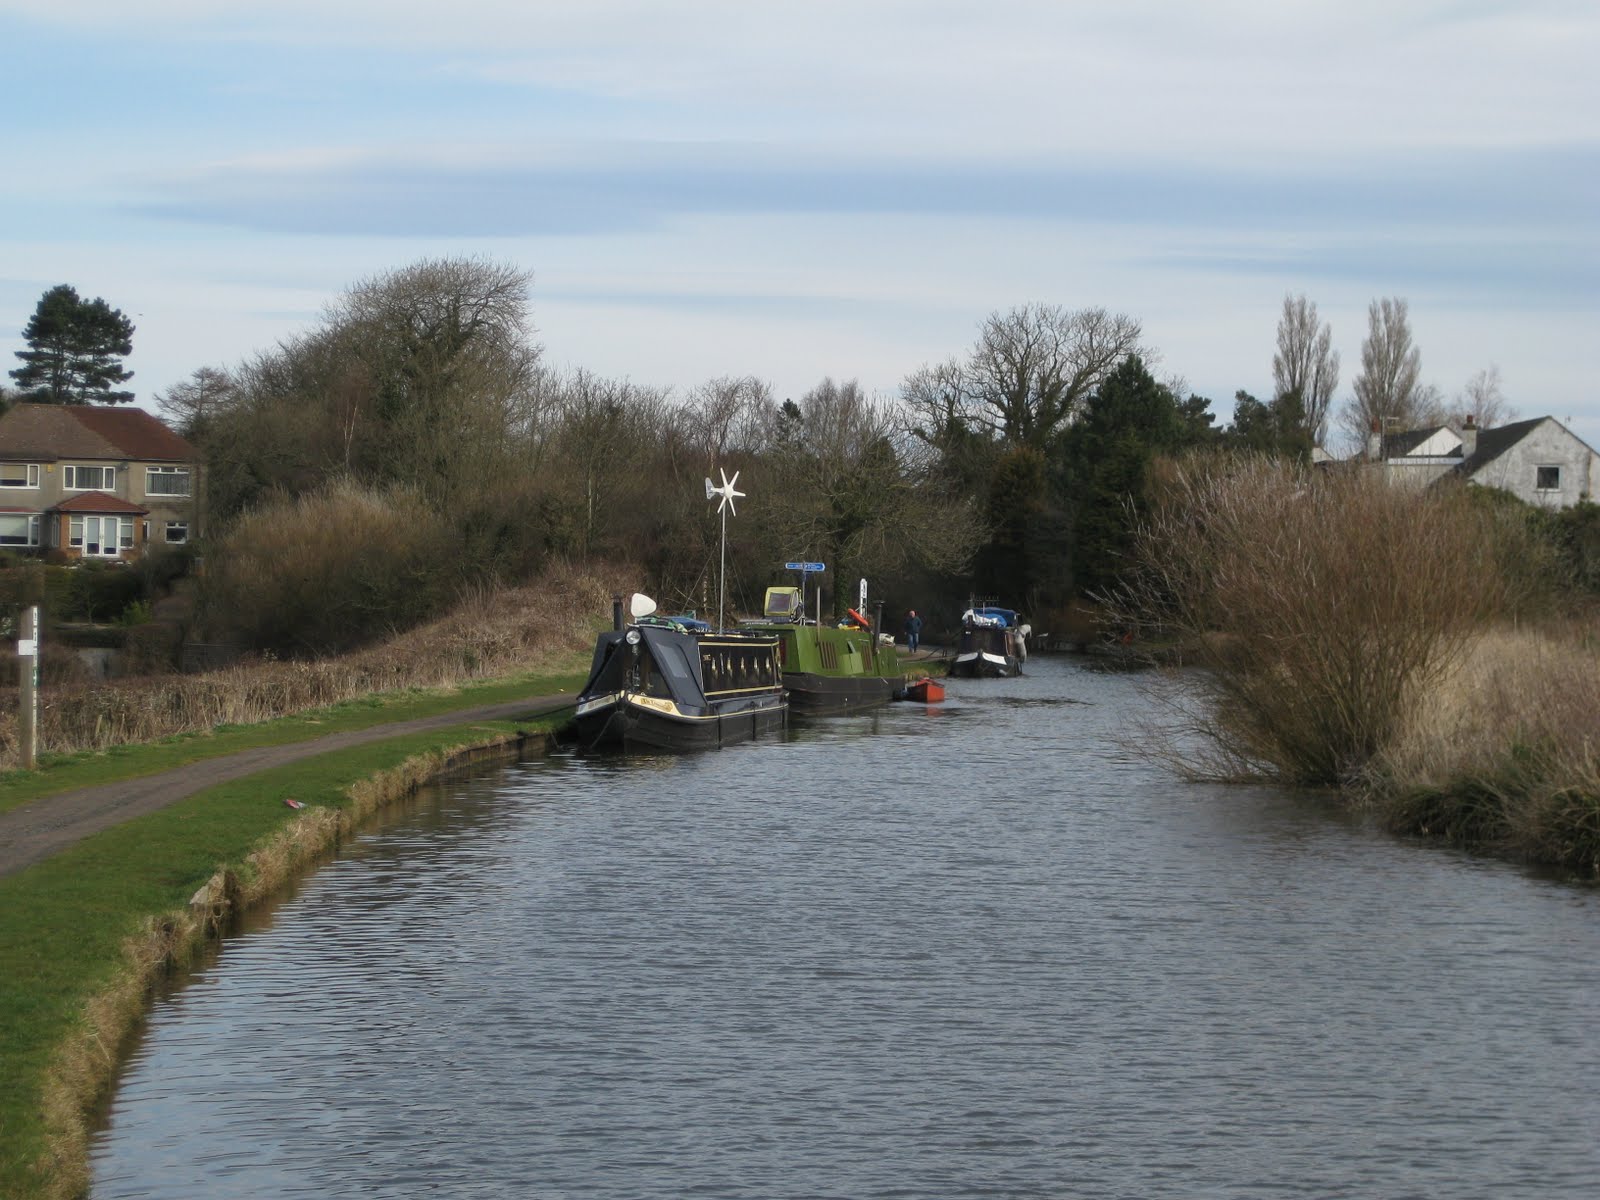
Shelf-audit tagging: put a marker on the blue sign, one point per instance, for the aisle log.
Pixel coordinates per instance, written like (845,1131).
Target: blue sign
(804,567)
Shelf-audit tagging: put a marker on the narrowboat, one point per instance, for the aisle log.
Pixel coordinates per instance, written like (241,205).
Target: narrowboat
(660,684)
(993,643)
(829,669)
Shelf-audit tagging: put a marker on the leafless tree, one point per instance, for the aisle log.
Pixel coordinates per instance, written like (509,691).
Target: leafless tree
(1483,400)
(724,416)
(1306,364)
(190,405)
(1389,394)
(842,489)
(1026,375)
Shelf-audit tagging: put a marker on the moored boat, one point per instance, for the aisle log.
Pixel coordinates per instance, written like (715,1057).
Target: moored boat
(993,643)
(925,690)
(657,683)
(828,669)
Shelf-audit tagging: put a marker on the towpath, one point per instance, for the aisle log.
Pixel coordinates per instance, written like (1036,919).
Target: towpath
(32,832)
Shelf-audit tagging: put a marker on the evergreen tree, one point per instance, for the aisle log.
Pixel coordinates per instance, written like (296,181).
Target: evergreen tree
(75,351)
(1125,424)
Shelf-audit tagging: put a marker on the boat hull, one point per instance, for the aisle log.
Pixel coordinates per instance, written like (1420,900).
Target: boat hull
(832,695)
(925,691)
(980,664)
(633,724)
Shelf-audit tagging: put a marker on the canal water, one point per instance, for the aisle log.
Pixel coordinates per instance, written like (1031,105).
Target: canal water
(981,949)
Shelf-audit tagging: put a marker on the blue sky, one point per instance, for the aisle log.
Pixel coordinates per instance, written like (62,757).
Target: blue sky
(717,187)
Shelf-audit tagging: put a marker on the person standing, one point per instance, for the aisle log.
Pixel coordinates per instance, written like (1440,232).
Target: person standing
(913,631)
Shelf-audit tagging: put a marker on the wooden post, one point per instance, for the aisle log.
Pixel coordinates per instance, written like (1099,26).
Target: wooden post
(28,685)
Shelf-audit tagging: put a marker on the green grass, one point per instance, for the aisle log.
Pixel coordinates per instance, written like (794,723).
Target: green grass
(64,772)
(63,922)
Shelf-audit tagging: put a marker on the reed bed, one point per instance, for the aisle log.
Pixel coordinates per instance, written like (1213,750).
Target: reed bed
(492,633)
(1503,753)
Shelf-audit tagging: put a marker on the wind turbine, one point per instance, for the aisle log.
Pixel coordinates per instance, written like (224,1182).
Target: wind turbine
(725,495)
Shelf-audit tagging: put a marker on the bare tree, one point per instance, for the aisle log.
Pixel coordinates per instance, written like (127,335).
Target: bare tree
(1388,392)
(725,416)
(1026,375)
(1306,364)
(1483,401)
(190,405)
(842,489)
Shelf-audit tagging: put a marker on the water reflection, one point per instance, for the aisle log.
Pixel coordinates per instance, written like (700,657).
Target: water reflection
(966,950)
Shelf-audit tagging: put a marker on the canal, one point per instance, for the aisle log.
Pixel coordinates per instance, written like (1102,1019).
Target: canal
(979,949)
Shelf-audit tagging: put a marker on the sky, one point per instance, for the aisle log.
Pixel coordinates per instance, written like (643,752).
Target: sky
(708,188)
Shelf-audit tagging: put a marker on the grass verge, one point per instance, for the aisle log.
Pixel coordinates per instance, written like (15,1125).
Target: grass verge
(85,935)
(64,772)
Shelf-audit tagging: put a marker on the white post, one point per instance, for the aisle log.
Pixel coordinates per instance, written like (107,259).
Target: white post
(28,685)
(722,573)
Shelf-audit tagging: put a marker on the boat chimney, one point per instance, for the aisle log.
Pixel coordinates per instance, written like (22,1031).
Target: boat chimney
(616,612)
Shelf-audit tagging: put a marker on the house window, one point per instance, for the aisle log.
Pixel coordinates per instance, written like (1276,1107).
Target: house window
(177,532)
(19,529)
(166,481)
(1547,479)
(19,475)
(91,479)
(100,537)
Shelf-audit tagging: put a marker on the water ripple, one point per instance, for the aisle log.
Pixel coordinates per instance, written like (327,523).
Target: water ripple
(966,952)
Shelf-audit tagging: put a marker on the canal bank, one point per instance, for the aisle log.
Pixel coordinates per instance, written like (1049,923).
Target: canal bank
(105,890)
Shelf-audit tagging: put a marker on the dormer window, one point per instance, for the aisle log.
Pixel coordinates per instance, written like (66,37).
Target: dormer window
(90,479)
(19,475)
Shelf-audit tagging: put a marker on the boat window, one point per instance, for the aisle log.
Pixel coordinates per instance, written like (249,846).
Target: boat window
(674,665)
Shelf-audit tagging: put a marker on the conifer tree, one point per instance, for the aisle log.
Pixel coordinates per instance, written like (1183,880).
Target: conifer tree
(75,351)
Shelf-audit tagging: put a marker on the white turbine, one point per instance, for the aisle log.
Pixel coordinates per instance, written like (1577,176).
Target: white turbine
(725,495)
(725,491)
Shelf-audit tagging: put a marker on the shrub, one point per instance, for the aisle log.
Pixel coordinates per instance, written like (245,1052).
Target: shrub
(1321,604)
(328,571)
(101,591)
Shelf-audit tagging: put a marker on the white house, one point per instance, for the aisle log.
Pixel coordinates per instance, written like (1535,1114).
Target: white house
(1540,461)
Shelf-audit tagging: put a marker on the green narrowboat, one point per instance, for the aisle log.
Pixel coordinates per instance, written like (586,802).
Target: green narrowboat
(829,669)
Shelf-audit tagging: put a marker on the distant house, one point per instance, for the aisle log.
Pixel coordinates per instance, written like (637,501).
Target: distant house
(1540,461)
(96,482)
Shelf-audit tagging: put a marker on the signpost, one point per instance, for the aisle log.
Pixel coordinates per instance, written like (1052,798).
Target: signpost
(808,568)
(28,685)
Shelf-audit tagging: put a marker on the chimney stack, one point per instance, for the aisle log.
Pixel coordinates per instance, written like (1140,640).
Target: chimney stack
(1469,437)
(1375,442)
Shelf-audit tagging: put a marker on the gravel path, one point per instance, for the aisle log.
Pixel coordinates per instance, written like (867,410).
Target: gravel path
(34,831)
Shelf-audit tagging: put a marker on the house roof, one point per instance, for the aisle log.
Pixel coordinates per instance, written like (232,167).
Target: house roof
(97,502)
(1398,445)
(1492,443)
(49,432)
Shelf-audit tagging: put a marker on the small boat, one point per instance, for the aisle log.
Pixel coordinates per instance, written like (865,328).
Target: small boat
(925,691)
(828,669)
(660,683)
(993,643)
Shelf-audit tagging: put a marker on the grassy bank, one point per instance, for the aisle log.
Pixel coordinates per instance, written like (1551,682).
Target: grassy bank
(85,935)
(493,634)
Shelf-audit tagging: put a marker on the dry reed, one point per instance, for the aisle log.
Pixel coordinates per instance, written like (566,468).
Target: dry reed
(494,632)
(1504,753)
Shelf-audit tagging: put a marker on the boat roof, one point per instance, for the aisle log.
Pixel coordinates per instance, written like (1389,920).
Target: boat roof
(989,615)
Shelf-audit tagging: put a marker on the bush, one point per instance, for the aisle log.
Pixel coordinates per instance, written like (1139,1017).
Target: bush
(329,571)
(101,592)
(1321,604)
